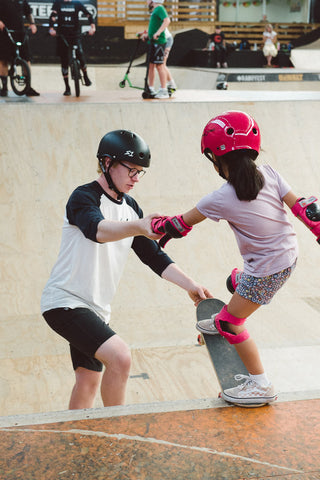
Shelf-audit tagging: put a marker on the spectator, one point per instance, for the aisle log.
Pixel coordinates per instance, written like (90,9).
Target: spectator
(217,43)
(269,43)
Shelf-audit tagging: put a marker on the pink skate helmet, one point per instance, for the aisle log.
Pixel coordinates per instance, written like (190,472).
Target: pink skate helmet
(230,131)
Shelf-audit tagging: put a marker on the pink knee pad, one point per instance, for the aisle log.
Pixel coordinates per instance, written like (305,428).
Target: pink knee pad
(225,316)
(235,277)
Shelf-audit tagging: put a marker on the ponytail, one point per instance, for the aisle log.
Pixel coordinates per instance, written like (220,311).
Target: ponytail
(243,174)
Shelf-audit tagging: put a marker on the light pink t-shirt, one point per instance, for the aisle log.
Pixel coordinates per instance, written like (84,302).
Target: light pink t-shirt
(265,237)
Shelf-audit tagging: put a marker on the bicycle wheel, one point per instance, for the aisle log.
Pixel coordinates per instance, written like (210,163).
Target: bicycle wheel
(75,73)
(20,76)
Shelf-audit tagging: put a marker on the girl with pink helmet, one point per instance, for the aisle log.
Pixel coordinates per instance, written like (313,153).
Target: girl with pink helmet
(252,202)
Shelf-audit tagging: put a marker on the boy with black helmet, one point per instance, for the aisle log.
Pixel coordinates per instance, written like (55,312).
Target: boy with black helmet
(102,222)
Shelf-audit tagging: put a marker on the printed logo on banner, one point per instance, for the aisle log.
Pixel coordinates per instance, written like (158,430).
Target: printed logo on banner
(41,9)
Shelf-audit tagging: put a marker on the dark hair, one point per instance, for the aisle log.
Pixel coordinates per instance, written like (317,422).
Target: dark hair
(243,174)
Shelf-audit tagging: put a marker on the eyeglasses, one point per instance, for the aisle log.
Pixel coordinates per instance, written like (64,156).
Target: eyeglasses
(133,171)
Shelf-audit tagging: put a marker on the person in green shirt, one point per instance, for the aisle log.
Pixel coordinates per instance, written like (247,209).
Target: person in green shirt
(159,21)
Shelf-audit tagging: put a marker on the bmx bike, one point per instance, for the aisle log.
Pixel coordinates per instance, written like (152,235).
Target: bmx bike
(74,64)
(19,72)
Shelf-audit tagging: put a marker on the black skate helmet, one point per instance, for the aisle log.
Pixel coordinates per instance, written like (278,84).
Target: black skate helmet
(120,145)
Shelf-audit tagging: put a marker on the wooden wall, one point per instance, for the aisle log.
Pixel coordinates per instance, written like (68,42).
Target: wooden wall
(134,17)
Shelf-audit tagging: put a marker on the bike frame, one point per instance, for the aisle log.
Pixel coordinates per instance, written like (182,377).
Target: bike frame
(22,79)
(74,64)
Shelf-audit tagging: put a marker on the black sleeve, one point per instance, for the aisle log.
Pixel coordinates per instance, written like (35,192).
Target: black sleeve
(83,211)
(53,15)
(148,250)
(151,254)
(27,10)
(86,13)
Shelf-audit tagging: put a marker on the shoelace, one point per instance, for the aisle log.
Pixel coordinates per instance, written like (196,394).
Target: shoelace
(240,377)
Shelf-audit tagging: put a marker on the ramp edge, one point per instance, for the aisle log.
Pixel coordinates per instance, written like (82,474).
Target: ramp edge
(137,409)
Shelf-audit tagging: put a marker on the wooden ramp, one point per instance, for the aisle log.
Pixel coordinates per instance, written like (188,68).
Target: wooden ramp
(48,146)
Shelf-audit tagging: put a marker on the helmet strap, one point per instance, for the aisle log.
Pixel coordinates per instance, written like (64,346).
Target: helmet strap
(108,178)
(221,172)
(215,162)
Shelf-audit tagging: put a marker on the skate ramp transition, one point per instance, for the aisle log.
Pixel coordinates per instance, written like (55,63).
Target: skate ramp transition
(48,147)
(307,56)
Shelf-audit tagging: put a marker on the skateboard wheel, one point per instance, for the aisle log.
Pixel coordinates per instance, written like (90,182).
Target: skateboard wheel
(201,339)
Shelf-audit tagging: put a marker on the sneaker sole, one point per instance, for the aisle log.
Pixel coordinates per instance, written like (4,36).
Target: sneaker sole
(247,402)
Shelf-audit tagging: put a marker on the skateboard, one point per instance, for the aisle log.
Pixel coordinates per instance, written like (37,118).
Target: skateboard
(223,355)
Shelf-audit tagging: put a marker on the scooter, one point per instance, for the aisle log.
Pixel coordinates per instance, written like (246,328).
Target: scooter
(126,78)
(146,94)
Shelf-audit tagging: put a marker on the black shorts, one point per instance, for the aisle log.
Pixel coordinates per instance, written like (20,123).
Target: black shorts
(85,332)
(157,53)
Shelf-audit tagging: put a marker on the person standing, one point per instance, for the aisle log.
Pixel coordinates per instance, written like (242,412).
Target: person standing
(66,14)
(102,223)
(158,23)
(12,15)
(269,43)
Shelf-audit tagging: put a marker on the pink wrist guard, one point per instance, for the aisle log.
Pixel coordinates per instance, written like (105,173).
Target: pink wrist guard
(307,210)
(170,227)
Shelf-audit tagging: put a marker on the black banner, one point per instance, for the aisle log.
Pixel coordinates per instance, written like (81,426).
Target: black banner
(41,10)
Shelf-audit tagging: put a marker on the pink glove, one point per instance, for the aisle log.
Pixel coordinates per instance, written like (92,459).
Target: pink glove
(170,227)
(309,212)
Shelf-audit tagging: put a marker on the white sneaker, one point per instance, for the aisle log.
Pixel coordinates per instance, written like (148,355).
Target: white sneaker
(162,93)
(152,90)
(208,326)
(218,65)
(249,392)
(225,65)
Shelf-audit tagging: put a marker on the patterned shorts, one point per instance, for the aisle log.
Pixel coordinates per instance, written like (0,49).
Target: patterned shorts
(262,289)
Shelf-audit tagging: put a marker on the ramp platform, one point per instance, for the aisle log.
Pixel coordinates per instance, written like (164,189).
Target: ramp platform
(207,440)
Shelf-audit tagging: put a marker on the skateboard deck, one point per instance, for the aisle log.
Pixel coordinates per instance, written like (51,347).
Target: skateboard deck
(224,357)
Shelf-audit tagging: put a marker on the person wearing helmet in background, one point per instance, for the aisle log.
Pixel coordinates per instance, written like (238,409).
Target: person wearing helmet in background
(102,223)
(64,24)
(159,22)
(252,202)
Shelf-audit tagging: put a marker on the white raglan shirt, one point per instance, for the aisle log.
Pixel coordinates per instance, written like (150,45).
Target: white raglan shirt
(87,273)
